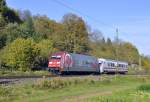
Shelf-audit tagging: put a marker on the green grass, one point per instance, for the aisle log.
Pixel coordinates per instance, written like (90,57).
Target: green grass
(105,89)
(144,87)
(137,91)
(136,71)
(128,95)
(20,73)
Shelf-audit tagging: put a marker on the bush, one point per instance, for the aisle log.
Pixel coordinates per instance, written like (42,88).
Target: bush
(6,91)
(57,83)
(46,48)
(53,84)
(25,54)
(144,87)
(20,54)
(20,73)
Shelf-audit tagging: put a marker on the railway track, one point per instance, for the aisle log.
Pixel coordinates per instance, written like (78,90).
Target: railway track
(6,80)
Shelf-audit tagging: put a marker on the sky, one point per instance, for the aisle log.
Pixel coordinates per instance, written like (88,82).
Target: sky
(131,17)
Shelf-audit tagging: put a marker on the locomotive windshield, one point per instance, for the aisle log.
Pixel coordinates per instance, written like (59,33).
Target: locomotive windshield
(56,57)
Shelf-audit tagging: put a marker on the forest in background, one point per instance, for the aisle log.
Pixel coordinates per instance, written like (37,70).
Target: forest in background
(27,41)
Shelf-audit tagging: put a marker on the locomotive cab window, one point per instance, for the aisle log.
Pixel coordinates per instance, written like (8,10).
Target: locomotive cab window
(56,57)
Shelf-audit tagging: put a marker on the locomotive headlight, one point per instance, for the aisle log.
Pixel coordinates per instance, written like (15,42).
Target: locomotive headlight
(50,62)
(58,62)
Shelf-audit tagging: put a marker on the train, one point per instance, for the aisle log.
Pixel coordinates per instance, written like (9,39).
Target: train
(64,62)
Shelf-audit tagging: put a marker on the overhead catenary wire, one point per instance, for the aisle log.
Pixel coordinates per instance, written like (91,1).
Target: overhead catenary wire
(88,16)
(81,13)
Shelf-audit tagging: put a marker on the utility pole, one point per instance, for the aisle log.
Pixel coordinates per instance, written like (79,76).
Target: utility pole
(74,42)
(0,65)
(140,62)
(117,45)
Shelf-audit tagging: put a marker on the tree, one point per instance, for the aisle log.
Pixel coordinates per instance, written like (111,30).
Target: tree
(46,49)
(11,32)
(41,26)
(145,62)
(44,26)
(9,15)
(109,42)
(49,29)
(100,48)
(3,40)
(27,27)
(28,20)
(2,22)
(2,5)
(76,35)
(128,52)
(96,36)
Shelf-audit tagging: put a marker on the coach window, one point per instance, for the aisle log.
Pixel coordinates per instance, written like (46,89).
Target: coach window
(109,64)
(120,65)
(83,62)
(104,63)
(113,65)
(86,62)
(77,62)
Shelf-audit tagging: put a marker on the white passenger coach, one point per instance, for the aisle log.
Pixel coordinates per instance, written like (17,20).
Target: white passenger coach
(112,66)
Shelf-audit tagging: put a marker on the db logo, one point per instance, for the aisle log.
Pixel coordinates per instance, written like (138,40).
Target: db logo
(68,60)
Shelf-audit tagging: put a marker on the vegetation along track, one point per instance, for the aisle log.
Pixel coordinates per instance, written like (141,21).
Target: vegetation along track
(9,80)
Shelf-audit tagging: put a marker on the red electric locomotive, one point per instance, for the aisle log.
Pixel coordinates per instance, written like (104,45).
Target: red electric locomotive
(69,62)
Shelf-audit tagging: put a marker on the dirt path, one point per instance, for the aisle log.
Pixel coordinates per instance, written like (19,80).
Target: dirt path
(83,97)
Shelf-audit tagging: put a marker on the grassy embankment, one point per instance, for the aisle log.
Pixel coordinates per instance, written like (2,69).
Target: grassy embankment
(105,89)
(20,73)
